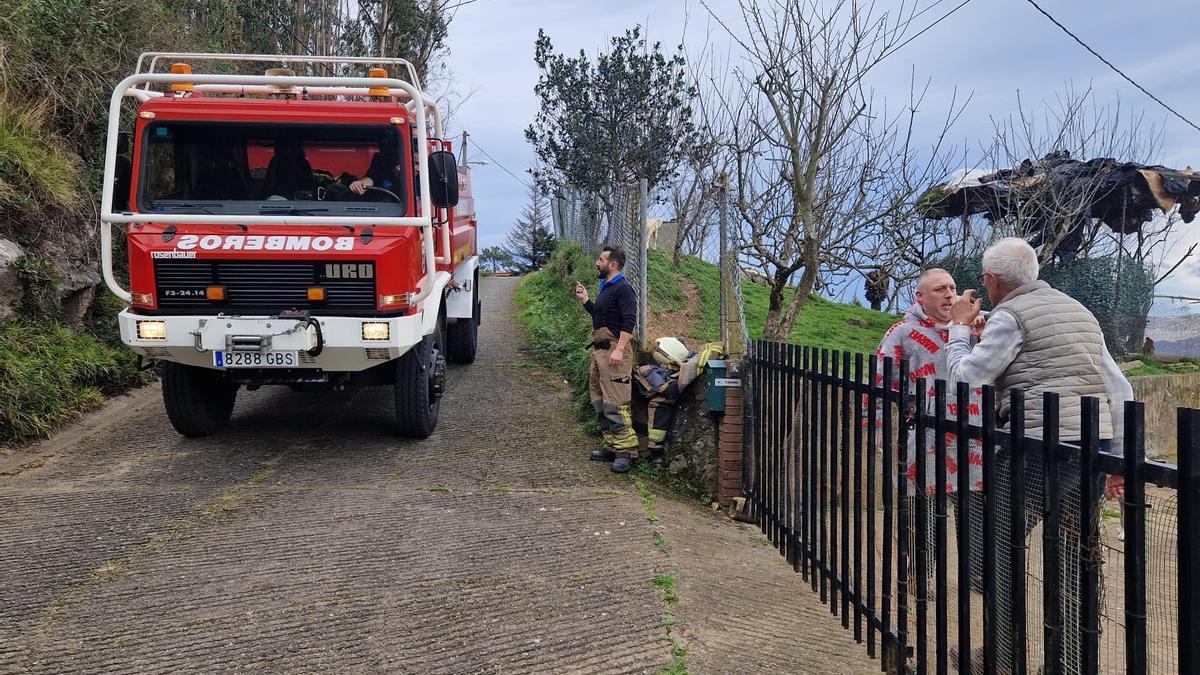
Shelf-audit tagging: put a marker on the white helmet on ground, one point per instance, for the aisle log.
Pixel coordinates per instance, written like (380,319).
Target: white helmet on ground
(670,350)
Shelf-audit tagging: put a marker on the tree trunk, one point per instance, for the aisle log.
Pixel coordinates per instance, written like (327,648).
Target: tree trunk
(807,281)
(773,331)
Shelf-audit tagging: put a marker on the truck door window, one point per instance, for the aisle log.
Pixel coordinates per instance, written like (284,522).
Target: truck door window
(244,168)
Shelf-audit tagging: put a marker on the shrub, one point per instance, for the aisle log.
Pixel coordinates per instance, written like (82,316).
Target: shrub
(48,374)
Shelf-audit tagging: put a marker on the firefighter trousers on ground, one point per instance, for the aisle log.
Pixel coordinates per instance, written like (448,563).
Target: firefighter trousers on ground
(660,404)
(611,390)
(662,387)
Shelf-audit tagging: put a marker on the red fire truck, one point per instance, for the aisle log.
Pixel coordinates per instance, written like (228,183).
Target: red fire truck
(306,230)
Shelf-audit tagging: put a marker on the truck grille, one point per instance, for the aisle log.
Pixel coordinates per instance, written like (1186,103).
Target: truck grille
(260,286)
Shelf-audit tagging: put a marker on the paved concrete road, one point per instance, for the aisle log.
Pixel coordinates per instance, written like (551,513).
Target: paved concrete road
(306,538)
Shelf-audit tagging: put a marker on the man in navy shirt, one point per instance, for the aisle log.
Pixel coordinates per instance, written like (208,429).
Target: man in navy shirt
(614,315)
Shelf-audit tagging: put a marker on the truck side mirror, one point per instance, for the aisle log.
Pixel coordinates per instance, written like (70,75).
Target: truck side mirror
(443,179)
(122,174)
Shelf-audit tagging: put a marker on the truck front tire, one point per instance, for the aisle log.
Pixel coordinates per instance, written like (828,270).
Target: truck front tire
(199,401)
(420,383)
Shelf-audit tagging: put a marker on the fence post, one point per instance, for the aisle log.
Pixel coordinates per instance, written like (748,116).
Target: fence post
(729,454)
(889,475)
(1089,565)
(964,522)
(822,468)
(1052,614)
(847,392)
(1188,428)
(1135,539)
(732,330)
(1018,632)
(872,406)
(899,474)
(723,217)
(834,486)
(644,258)
(941,619)
(556,215)
(988,401)
(812,383)
(920,503)
(859,597)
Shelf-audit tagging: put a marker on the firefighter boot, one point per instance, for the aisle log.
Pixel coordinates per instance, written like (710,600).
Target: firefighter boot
(622,463)
(602,455)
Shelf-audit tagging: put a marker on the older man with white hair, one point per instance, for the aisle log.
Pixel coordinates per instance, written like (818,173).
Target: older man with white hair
(1040,340)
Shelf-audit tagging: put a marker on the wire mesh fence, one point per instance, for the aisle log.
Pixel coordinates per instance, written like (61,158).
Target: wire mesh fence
(651,234)
(615,219)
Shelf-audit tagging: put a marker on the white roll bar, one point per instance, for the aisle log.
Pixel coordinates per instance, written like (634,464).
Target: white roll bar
(127,88)
(275,59)
(430,106)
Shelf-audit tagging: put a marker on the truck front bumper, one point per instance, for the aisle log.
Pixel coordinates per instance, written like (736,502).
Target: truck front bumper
(193,340)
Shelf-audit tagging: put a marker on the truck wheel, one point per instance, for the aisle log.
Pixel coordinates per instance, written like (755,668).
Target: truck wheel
(198,400)
(463,337)
(420,383)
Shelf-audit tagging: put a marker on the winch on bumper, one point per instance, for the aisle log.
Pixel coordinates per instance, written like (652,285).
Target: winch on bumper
(341,344)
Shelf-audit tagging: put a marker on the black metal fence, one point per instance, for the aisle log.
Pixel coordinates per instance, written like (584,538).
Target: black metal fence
(826,472)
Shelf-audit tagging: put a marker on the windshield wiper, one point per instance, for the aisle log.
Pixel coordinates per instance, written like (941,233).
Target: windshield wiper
(189,205)
(289,210)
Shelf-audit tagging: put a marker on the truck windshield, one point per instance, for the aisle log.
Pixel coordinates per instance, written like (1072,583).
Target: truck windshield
(295,169)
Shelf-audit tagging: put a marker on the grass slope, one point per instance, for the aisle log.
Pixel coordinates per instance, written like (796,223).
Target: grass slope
(1151,366)
(821,322)
(559,330)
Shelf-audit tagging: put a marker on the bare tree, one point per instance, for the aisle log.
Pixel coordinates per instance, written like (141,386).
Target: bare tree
(691,197)
(1066,179)
(1051,197)
(825,174)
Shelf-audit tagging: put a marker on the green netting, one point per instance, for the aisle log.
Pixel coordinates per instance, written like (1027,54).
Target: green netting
(1093,282)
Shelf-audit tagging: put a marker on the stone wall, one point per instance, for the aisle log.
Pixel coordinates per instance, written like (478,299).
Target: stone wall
(1162,395)
(691,454)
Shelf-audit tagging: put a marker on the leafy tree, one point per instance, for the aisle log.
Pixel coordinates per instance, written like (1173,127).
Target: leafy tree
(624,116)
(495,259)
(531,242)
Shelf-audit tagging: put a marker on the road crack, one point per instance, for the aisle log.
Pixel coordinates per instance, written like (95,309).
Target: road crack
(664,582)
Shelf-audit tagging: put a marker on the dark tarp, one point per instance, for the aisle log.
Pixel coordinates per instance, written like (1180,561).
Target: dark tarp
(1051,192)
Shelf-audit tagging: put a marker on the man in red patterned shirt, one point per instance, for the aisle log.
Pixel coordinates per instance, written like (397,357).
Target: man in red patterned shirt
(921,339)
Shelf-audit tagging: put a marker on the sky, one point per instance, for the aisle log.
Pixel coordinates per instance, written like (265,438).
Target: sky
(989,49)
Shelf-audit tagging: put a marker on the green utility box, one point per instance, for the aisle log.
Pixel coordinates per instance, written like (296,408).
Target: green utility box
(716,385)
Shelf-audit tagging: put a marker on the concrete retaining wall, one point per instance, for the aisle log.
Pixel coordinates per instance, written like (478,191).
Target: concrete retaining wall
(1162,395)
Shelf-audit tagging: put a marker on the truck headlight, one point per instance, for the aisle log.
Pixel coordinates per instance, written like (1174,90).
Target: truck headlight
(152,330)
(376,330)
